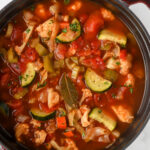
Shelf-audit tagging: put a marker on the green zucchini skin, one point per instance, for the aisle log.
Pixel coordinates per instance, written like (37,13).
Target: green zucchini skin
(113,36)
(70,35)
(4,109)
(28,76)
(95,82)
(40,115)
(100,116)
(110,75)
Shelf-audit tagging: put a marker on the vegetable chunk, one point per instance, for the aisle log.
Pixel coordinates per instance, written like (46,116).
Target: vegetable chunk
(123,113)
(102,117)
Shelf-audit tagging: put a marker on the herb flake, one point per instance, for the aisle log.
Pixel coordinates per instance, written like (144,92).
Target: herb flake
(118,63)
(20,77)
(28,30)
(105,82)
(99,111)
(113,95)
(64,30)
(51,21)
(74,26)
(41,85)
(32,8)
(83,135)
(131,90)
(66,2)
(9,84)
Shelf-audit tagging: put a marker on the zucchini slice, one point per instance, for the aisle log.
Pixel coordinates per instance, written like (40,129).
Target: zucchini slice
(21,94)
(111,75)
(4,109)
(40,115)
(41,50)
(12,57)
(100,116)
(95,82)
(113,36)
(48,63)
(71,34)
(28,76)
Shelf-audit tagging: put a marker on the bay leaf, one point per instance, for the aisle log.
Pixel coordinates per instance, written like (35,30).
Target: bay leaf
(68,91)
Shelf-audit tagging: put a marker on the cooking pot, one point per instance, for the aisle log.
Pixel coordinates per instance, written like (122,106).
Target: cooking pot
(120,9)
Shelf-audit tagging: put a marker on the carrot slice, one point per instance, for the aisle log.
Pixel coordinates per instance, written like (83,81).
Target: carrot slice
(64,25)
(61,122)
(42,12)
(69,134)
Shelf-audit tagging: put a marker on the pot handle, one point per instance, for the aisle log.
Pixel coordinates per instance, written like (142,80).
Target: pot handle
(130,2)
(140,8)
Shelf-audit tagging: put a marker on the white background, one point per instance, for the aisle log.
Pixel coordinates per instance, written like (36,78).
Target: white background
(143,12)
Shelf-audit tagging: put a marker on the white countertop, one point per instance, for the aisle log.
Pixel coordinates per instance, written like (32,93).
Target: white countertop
(143,12)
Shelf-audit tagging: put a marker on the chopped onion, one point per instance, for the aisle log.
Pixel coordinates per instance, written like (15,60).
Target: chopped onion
(93,132)
(26,35)
(116,133)
(75,72)
(55,145)
(104,139)
(51,43)
(54,9)
(22,118)
(9,30)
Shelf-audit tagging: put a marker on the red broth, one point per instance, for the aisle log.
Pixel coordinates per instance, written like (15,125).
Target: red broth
(75,83)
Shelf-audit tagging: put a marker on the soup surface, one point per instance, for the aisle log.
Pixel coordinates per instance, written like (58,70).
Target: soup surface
(71,76)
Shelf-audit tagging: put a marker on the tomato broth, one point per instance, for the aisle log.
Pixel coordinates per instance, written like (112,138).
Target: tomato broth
(71,76)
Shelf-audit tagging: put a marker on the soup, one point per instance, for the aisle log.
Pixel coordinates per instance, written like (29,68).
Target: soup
(71,76)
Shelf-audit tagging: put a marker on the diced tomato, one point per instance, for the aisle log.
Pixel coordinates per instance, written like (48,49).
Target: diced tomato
(75,6)
(71,51)
(78,44)
(61,122)
(80,82)
(96,52)
(100,100)
(20,89)
(89,101)
(17,111)
(95,63)
(69,134)
(97,99)
(60,51)
(16,68)
(81,53)
(31,54)
(23,63)
(54,82)
(5,70)
(88,52)
(17,34)
(64,25)
(83,18)
(95,44)
(24,59)
(42,12)
(93,24)
(49,137)
(23,67)
(15,104)
(111,95)
(123,54)
(4,79)
(44,107)
(75,46)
